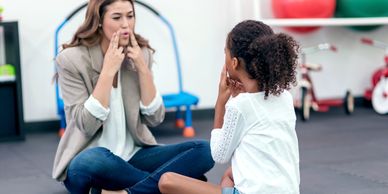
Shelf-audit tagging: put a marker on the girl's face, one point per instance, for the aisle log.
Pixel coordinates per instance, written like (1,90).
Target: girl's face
(118,16)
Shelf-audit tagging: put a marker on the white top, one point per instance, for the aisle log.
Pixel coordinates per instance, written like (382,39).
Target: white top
(114,136)
(259,136)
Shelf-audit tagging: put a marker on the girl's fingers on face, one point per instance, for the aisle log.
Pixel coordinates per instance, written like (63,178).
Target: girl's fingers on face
(230,82)
(224,69)
(233,82)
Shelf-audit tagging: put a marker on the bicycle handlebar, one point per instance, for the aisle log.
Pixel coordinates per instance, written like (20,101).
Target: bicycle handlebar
(319,47)
(375,43)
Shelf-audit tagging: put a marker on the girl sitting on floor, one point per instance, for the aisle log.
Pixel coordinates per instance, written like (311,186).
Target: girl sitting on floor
(254,123)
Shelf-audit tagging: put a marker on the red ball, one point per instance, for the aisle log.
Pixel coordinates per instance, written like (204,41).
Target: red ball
(303,9)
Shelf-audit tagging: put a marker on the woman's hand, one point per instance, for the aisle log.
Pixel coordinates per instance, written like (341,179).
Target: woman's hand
(114,55)
(136,54)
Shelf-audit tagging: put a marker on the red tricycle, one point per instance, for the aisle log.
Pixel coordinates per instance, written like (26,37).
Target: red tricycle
(378,94)
(308,96)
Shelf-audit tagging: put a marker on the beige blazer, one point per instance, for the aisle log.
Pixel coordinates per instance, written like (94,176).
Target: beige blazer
(78,69)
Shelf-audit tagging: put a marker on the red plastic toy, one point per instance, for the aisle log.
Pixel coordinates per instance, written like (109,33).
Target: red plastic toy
(378,94)
(308,97)
(303,9)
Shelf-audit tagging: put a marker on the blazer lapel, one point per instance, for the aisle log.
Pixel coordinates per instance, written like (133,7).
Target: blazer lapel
(97,60)
(97,57)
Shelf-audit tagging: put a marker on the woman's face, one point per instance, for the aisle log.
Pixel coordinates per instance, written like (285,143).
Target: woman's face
(118,16)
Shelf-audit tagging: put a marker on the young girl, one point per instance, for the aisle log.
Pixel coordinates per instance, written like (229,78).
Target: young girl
(254,122)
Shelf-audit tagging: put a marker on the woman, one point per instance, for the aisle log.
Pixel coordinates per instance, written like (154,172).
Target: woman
(110,99)
(254,122)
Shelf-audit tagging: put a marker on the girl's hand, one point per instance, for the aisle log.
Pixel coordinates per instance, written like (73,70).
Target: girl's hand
(114,55)
(223,90)
(227,179)
(235,87)
(135,53)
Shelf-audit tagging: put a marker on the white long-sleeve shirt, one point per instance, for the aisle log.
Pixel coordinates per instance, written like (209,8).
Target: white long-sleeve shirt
(259,137)
(114,136)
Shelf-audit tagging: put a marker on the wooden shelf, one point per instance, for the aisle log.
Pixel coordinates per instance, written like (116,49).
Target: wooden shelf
(327,21)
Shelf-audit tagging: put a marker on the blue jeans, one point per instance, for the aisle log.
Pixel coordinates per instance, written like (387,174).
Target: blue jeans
(100,168)
(230,190)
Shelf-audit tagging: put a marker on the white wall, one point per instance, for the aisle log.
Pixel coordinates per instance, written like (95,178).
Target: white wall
(201,27)
(37,23)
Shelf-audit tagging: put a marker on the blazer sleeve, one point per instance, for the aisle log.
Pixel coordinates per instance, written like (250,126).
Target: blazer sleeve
(157,117)
(74,94)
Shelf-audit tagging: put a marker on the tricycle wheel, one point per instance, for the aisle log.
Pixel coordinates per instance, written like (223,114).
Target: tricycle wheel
(380,96)
(349,103)
(306,104)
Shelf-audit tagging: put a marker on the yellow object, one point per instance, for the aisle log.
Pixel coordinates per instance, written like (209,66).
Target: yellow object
(7,70)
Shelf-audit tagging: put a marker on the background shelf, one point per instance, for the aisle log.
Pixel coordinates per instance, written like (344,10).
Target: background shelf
(327,21)
(11,104)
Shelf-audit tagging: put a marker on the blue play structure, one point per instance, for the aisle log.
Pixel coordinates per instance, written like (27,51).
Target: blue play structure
(179,100)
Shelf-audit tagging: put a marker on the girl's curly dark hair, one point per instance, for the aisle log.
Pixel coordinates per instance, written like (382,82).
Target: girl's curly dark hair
(269,58)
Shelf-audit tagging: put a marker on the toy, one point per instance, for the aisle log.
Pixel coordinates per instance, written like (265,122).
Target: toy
(1,12)
(378,94)
(7,70)
(182,98)
(303,9)
(362,8)
(308,98)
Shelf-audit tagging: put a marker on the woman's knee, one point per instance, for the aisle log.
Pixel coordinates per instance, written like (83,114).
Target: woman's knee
(167,181)
(90,158)
(203,147)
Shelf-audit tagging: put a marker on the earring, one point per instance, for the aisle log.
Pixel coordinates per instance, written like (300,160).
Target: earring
(99,25)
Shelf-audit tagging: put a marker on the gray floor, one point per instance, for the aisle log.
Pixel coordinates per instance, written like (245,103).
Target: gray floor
(338,154)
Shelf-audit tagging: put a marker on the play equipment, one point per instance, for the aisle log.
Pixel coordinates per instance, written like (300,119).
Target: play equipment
(1,12)
(182,98)
(60,104)
(7,72)
(308,98)
(378,94)
(179,100)
(303,9)
(361,8)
